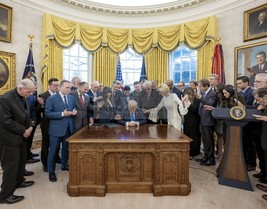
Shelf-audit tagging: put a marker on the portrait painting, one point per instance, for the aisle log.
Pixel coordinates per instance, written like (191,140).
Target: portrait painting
(7,71)
(255,23)
(251,60)
(5,23)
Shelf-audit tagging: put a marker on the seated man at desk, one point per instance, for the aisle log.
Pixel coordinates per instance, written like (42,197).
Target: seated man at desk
(133,116)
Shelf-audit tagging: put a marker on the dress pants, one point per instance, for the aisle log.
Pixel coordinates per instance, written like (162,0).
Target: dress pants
(13,161)
(54,144)
(207,135)
(29,143)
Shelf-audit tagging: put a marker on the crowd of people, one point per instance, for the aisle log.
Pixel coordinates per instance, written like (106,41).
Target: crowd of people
(68,106)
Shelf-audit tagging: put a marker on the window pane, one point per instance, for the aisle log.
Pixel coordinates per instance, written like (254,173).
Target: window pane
(75,63)
(183,65)
(131,64)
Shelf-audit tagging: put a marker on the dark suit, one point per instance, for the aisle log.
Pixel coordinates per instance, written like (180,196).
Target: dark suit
(249,149)
(116,99)
(44,129)
(207,123)
(81,119)
(151,102)
(93,104)
(139,116)
(135,95)
(36,117)
(177,91)
(60,128)
(257,70)
(261,28)
(264,141)
(14,119)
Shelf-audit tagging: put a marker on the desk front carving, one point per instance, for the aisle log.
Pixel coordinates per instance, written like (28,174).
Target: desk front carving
(123,163)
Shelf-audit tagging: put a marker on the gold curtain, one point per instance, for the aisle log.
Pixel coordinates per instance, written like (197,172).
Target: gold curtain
(105,66)
(53,63)
(157,65)
(204,60)
(196,35)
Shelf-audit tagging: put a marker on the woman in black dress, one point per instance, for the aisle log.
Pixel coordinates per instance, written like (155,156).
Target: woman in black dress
(192,121)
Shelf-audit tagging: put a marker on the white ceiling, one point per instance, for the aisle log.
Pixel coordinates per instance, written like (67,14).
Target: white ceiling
(161,13)
(130,3)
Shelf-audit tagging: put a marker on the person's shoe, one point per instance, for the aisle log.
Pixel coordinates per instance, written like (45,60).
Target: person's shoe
(45,169)
(34,155)
(28,173)
(202,160)
(263,180)
(250,168)
(208,163)
(258,175)
(65,168)
(12,199)
(261,187)
(31,160)
(264,197)
(52,177)
(25,184)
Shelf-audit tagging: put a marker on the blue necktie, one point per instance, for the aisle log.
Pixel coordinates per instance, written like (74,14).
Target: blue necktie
(132,117)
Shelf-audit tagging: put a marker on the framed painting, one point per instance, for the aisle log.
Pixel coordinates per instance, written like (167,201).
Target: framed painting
(250,60)
(5,23)
(255,23)
(7,71)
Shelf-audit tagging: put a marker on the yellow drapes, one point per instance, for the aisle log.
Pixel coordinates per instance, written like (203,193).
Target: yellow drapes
(198,35)
(157,62)
(104,66)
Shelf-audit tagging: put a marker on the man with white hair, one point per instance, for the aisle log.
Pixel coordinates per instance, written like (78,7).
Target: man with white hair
(15,128)
(75,81)
(255,129)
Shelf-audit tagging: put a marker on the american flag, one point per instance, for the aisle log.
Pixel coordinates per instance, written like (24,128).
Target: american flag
(118,72)
(143,71)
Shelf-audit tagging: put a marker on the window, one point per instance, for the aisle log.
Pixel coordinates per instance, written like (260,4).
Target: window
(183,65)
(131,64)
(75,63)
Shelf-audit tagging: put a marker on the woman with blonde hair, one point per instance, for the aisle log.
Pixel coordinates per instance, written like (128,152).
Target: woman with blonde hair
(171,102)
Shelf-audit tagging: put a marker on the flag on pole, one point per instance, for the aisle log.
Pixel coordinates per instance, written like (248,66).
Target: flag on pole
(143,76)
(29,71)
(218,63)
(118,71)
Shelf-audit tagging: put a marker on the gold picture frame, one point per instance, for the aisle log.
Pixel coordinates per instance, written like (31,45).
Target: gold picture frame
(7,71)
(5,23)
(245,59)
(253,29)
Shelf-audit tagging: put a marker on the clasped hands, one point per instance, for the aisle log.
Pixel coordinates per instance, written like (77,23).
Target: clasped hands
(70,113)
(27,132)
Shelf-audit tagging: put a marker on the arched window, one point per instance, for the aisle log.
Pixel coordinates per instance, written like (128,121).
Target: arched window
(131,64)
(75,63)
(183,65)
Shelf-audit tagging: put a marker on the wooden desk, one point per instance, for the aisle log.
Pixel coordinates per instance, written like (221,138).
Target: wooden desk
(149,158)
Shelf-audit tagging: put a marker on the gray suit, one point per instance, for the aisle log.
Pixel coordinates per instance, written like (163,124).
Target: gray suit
(207,123)
(81,119)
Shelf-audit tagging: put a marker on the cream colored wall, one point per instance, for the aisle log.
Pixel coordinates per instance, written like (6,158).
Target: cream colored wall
(25,21)
(230,30)
(28,21)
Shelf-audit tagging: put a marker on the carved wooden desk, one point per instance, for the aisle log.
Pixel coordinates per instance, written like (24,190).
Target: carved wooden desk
(149,158)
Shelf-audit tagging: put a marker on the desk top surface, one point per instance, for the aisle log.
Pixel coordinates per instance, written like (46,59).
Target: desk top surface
(118,133)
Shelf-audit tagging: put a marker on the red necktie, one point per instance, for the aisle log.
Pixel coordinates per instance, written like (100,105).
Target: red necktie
(81,100)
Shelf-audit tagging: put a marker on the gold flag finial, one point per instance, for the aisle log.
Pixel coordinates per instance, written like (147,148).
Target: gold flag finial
(30,37)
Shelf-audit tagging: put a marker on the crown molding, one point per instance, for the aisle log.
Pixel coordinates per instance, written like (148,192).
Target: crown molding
(157,15)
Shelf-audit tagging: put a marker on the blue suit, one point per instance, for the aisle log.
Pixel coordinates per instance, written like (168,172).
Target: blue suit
(60,128)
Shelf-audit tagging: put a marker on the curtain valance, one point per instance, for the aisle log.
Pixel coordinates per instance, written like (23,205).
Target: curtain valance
(194,34)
